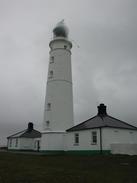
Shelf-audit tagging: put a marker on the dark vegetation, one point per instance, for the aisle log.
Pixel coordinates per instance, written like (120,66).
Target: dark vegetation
(24,168)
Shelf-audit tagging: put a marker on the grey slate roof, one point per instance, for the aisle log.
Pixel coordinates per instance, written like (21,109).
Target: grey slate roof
(28,133)
(100,121)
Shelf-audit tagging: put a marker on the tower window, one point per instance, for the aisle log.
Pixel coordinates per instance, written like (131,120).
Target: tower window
(48,106)
(47,124)
(51,59)
(76,139)
(50,74)
(94,137)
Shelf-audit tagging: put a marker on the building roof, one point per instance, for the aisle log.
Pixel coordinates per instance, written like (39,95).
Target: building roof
(102,119)
(27,133)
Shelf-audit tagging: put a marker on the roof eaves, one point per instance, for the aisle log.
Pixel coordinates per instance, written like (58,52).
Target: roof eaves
(84,129)
(123,122)
(16,134)
(81,123)
(118,127)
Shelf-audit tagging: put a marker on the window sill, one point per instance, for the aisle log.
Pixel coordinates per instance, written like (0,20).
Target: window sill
(76,144)
(48,128)
(93,143)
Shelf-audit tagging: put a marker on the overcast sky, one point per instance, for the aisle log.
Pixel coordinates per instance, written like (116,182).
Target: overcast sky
(104,58)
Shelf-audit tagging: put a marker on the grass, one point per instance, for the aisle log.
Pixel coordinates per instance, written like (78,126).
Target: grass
(23,168)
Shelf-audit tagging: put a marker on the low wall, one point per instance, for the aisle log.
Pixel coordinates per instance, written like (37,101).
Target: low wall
(130,149)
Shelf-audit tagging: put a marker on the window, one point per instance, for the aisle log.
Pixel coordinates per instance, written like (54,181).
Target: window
(48,106)
(94,137)
(50,74)
(10,142)
(16,143)
(65,47)
(47,124)
(116,131)
(76,139)
(35,144)
(51,59)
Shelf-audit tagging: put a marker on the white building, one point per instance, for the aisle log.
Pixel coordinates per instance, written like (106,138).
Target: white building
(102,134)
(99,134)
(28,139)
(58,112)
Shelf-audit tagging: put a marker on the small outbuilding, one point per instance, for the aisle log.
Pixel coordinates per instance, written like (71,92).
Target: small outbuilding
(28,139)
(102,134)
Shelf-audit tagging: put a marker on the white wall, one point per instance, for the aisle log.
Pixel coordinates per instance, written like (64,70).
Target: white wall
(109,136)
(52,141)
(130,149)
(117,136)
(58,42)
(23,144)
(36,141)
(59,88)
(27,143)
(12,145)
(85,140)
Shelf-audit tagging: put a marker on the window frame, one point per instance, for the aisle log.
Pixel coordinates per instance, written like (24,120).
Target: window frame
(65,47)
(52,59)
(47,123)
(16,142)
(116,131)
(50,74)
(76,139)
(94,138)
(10,142)
(48,106)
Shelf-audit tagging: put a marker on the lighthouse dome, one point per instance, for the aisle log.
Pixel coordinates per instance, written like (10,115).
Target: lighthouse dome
(60,30)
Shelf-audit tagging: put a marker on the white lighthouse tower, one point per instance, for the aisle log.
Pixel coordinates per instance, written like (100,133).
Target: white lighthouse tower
(58,111)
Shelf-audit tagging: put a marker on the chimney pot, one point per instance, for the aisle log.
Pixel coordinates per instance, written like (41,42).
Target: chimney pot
(30,126)
(102,110)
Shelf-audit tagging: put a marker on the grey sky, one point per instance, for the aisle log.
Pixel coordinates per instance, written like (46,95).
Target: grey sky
(104,58)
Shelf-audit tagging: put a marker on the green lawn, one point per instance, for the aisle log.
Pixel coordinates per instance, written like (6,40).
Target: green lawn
(22,168)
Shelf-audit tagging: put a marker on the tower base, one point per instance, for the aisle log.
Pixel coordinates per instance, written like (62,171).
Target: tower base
(53,141)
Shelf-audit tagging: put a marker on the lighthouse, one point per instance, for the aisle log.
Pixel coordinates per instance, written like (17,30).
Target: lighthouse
(58,110)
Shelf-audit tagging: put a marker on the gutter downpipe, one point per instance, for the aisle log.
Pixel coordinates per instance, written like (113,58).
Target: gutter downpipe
(100,140)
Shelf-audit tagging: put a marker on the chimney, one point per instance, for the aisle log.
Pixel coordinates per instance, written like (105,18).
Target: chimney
(30,126)
(102,110)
